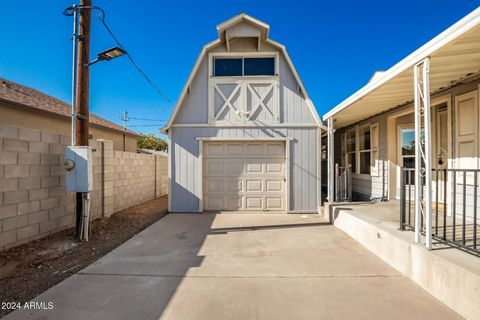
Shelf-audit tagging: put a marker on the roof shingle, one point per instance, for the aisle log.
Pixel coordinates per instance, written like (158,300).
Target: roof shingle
(31,98)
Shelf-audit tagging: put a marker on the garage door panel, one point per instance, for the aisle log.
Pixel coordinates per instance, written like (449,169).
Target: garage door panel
(254,203)
(214,149)
(214,203)
(233,203)
(244,176)
(254,149)
(274,203)
(254,185)
(234,149)
(274,185)
(234,167)
(214,186)
(275,167)
(234,185)
(215,167)
(275,149)
(254,167)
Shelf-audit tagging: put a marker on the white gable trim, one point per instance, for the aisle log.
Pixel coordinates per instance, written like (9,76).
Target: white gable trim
(213,44)
(192,75)
(310,104)
(238,18)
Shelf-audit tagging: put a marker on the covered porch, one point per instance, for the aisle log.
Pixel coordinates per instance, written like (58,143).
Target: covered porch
(411,137)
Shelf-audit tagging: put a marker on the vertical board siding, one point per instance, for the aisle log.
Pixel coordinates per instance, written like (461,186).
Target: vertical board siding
(184,150)
(185,193)
(469,200)
(293,106)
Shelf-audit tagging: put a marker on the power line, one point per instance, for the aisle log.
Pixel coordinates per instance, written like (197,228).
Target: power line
(101,17)
(145,119)
(144,125)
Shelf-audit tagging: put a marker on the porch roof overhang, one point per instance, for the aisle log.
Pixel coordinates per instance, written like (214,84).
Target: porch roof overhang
(455,57)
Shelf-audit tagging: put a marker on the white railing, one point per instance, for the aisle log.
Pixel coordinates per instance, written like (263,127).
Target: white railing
(243,99)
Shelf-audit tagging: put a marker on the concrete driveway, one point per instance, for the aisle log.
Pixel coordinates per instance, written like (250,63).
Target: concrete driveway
(239,266)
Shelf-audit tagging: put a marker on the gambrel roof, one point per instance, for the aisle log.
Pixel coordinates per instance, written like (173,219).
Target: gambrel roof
(223,36)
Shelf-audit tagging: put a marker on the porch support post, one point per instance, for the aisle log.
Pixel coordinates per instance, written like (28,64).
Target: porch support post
(427,153)
(423,151)
(418,158)
(331,168)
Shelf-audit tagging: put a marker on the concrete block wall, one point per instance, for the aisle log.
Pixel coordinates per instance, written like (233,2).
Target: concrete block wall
(161,165)
(134,179)
(33,201)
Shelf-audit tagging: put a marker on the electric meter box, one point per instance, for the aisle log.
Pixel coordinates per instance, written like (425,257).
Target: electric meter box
(78,166)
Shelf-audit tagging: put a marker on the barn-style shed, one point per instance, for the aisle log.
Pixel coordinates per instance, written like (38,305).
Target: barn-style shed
(244,135)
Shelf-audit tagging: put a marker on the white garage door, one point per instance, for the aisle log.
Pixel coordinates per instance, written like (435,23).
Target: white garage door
(244,176)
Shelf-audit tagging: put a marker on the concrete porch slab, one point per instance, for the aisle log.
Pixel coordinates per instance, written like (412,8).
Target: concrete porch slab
(449,274)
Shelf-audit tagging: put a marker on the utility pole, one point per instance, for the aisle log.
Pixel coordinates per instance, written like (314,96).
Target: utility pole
(82,99)
(80,96)
(83,78)
(125,119)
(125,114)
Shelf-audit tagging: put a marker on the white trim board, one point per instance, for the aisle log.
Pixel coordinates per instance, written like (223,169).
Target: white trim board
(226,125)
(244,138)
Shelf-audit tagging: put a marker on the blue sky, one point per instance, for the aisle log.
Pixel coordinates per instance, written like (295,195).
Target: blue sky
(335,45)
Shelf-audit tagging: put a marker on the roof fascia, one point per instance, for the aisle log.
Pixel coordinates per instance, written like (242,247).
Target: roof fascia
(459,28)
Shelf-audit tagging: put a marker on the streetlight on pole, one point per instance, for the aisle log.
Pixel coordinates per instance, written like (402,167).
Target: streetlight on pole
(80,93)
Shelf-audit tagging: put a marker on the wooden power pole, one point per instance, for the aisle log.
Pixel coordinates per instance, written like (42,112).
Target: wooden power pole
(83,78)
(83,92)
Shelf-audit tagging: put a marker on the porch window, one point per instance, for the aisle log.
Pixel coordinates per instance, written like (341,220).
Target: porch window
(374,164)
(360,149)
(233,67)
(408,147)
(364,149)
(351,150)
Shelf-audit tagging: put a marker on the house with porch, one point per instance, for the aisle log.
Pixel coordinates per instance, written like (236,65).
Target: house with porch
(403,155)
(421,113)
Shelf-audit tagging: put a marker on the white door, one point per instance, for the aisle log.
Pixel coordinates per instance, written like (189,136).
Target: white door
(466,142)
(239,175)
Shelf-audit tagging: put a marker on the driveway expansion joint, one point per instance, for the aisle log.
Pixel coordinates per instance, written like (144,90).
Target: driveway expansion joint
(241,277)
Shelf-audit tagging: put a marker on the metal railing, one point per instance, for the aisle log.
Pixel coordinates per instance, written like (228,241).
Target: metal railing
(343,183)
(454,208)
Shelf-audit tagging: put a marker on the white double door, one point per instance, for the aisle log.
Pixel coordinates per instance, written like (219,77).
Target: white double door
(244,176)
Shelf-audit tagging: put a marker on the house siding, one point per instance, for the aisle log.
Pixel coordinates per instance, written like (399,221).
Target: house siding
(185,164)
(294,108)
(368,187)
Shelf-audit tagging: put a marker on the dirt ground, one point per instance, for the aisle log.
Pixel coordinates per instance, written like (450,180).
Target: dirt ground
(29,269)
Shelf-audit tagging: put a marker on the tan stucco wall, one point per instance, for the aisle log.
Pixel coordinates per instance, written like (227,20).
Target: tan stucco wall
(55,124)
